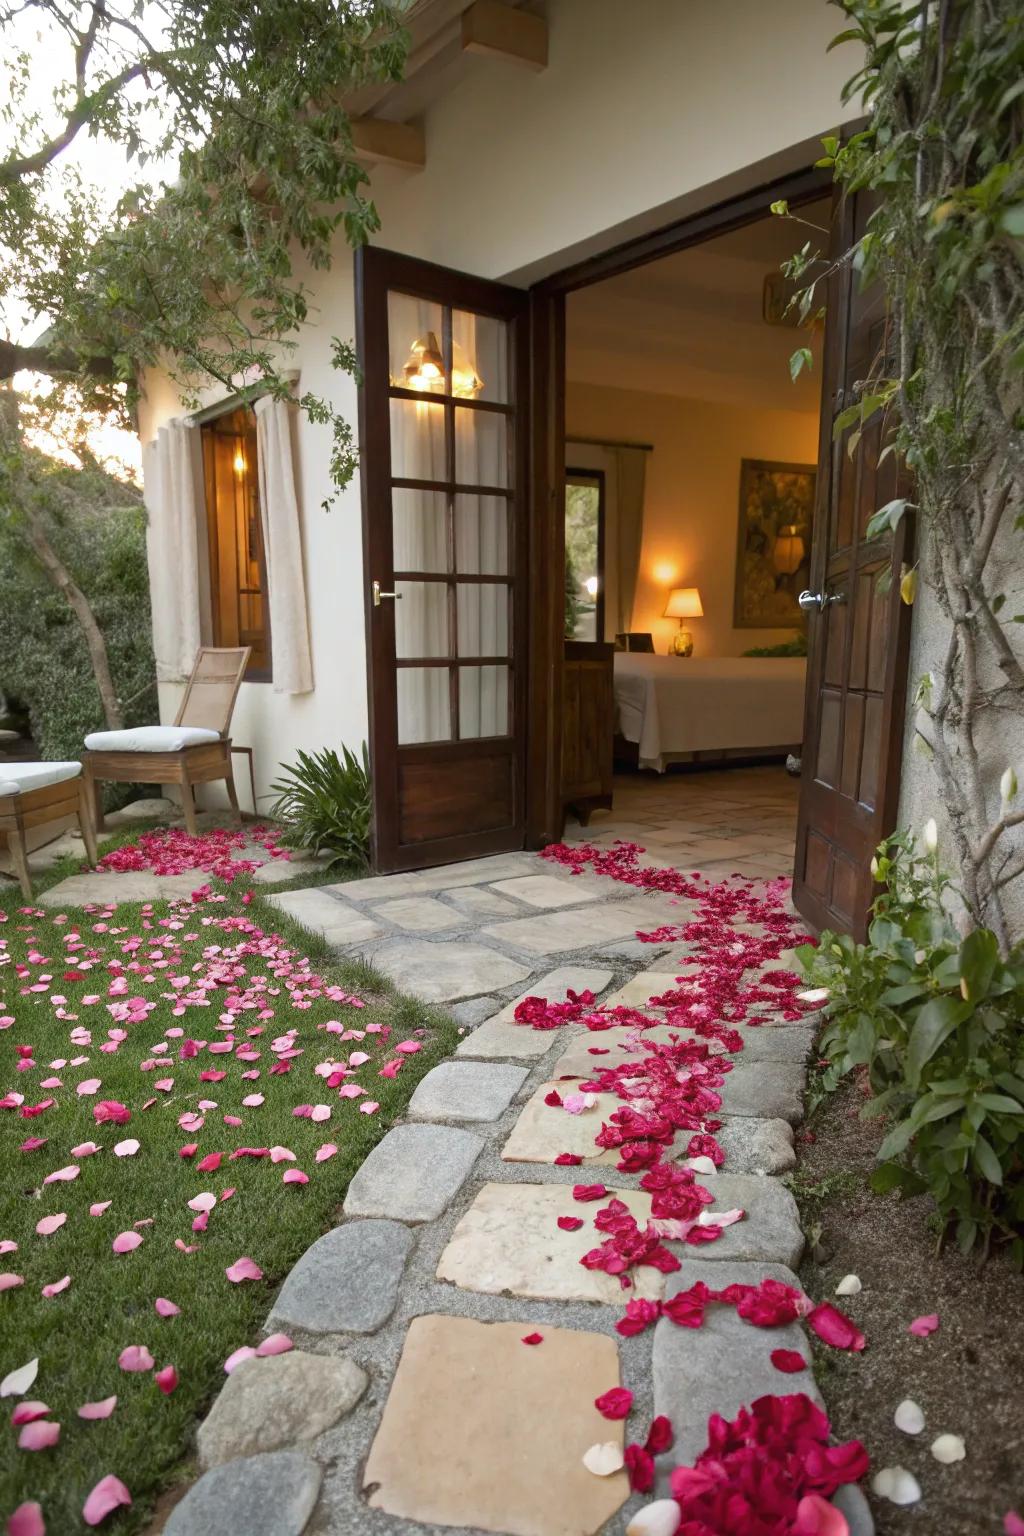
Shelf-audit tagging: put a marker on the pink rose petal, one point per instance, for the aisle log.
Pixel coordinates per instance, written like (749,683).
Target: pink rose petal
(327,1150)
(816,1516)
(8,1246)
(294,1176)
(9,1281)
(203,1202)
(243,1269)
(99,1207)
(165,1308)
(63,1175)
(124,1242)
(85,1149)
(369,1107)
(88,1085)
(166,1379)
(921,1327)
(109,1494)
(281,1155)
(55,1288)
(24,1413)
(27,1520)
(252,1100)
(136,1357)
(126,1148)
(275,1344)
(246,1352)
(100,1410)
(51,1224)
(40,1435)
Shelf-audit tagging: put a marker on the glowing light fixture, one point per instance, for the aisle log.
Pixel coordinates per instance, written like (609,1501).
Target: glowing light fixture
(683,603)
(238,463)
(424,368)
(789,550)
(591,586)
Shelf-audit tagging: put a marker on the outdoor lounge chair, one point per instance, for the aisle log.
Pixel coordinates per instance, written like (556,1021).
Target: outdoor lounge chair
(35,794)
(196,749)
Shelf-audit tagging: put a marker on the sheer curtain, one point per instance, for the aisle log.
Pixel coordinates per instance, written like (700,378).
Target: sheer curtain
(282,543)
(631,473)
(175,504)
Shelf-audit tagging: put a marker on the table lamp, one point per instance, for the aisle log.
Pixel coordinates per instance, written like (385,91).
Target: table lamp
(683,603)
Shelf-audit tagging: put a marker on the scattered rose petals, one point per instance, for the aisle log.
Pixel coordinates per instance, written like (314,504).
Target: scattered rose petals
(660,1436)
(570,1223)
(27,1520)
(237,1356)
(604,1459)
(948,1448)
(51,1224)
(55,1287)
(921,1327)
(16,1383)
(109,1494)
(100,1410)
(165,1308)
(533,1338)
(588,1192)
(25,1412)
(99,1207)
(135,1358)
(40,1435)
(835,1328)
(294,1176)
(327,1150)
(274,1344)
(243,1269)
(166,1379)
(9,1281)
(788,1360)
(1013,1524)
(63,1175)
(204,1202)
(816,1516)
(125,1242)
(897,1485)
(615,1403)
(658,1519)
(126,1148)
(908,1417)
(849,1285)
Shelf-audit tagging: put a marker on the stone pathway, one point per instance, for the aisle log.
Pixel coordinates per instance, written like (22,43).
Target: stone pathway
(411,1402)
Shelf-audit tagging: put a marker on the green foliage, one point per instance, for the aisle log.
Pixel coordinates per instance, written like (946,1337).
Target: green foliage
(795,647)
(936,1021)
(572,605)
(325,803)
(97,525)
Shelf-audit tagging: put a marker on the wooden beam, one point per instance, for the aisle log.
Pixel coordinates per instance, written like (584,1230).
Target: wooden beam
(381,142)
(503,32)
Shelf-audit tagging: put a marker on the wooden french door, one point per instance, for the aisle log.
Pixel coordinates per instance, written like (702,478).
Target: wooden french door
(444,454)
(859,629)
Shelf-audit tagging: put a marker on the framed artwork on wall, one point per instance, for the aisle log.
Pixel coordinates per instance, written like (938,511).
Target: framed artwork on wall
(773,547)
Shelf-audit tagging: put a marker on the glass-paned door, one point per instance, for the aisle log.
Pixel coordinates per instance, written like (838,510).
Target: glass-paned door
(442,458)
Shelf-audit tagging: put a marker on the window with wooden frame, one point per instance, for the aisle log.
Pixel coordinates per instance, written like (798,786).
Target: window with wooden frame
(584,554)
(238,569)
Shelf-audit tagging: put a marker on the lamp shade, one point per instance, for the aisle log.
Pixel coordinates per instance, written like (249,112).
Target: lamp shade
(684,603)
(788,552)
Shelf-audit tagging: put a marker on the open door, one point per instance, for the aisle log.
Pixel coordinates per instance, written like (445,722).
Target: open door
(859,635)
(443,433)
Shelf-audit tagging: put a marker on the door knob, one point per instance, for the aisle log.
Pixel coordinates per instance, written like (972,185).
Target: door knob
(816,602)
(378,594)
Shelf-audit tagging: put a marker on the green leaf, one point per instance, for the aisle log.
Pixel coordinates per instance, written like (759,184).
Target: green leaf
(979,956)
(999,1103)
(987,1162)
(887,517)
(897,1139)
(801,359)
(933,1024)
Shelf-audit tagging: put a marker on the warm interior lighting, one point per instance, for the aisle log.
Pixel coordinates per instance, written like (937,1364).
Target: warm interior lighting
(238,463)
(684,603)
(664,573)
(591,586)
(465,379)
(788,553)
(425,365)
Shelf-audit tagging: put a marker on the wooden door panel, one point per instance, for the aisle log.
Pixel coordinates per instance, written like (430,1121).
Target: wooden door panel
(859,642)
(443,425)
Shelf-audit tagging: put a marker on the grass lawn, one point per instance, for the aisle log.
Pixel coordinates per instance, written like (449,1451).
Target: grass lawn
(170,984)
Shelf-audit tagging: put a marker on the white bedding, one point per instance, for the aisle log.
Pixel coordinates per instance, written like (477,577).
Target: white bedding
(672,705)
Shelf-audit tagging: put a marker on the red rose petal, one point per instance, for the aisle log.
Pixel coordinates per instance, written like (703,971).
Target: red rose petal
(788,1360)
(533,1338)
(615,1403)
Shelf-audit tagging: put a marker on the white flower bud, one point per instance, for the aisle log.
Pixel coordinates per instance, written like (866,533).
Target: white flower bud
(1008,786)
(874,868)
(930,835)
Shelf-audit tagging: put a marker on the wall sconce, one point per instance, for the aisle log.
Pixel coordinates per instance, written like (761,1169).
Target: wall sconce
(683,603)
(238,464)
(789,550)
(424,369)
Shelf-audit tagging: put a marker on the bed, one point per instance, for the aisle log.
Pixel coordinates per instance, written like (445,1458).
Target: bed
(673,707)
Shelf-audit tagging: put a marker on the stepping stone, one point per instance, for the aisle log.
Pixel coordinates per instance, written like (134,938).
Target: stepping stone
(770,1231)
(483,1432)
(640,988)
(112,888)
(723,1366)
(338,923)
(501,866)
(414,1173)
(442,972)
(769,1089)
(502,1036)
(466,1090)
(272,1495)
(587,928)
(420,914)
(756,1146)
(347,1282)
(546,891)
(473,1010)
(510,1240)
(478,901)
(279,1401)
(591,1049)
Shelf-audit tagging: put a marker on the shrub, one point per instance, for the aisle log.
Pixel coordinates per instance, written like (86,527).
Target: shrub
(936,1021)
(325,804)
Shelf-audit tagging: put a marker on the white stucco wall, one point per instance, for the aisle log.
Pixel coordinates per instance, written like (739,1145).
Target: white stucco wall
(646,111)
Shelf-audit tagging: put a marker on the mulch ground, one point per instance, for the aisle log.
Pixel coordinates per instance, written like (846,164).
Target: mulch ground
(968,1377)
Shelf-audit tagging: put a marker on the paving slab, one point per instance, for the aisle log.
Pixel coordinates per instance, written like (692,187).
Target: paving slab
(478,902)
(510,1240)
(272,1495)
(466,1091)
(314,908)
(770,1231)
(544,1131)
(419,914)
(446,970)
(283,1400)
(133,885)
(485,1433)
(446,876)
(579,928)
(639,990)
(752,1145)
(347,1282)
(547,891)
(589,1049)
(501,1036)
(473,1010)
(414,1173)
(771,1089)
(723,1366)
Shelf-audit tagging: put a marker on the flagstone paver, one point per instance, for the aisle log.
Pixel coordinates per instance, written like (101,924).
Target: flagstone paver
(502,1036)
(419,914)
(314,908)
(266,1405)
(483,1432)
(723,1365)
(547,891)
(445,971)
(580,928)
(414,1173)
(347,1282)
(466,1090)
(271,1495)
(753,1145)
(590,1050)
(134,885)
(477,901)
(509,1240)
(425,881)
(770,1229)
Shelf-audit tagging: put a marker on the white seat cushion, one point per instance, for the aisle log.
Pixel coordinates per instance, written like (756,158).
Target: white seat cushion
(150,738)
(16,778)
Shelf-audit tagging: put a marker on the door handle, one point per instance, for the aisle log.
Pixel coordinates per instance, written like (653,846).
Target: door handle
(378,595)
(817,602)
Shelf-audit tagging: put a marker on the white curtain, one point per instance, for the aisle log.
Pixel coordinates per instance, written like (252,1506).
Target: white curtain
(282,542)
(631,470)
(177,556)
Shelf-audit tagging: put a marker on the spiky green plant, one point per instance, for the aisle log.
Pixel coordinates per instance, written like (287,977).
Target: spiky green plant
(324,803)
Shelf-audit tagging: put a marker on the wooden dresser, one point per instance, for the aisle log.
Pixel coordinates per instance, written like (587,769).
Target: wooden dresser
(588,718)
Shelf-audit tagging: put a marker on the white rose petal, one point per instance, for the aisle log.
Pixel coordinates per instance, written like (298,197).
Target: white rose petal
(948,1448)
(909,1417)
(16,1383)
(897,1485)
(605,1459)
(658,1519)
(814,995)
(849,1285)
(700,1165)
